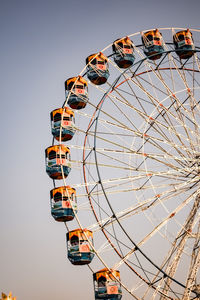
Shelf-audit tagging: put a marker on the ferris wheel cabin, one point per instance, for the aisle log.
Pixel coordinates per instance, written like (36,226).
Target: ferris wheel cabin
(153,44)
(62,124)
(184,44)
(106,284)
(123,52)
(76,92)
(63,203)
(97,68)
(79,249)
(57,161)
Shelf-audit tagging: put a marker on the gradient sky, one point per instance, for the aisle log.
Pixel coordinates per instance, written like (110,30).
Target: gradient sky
(42,44)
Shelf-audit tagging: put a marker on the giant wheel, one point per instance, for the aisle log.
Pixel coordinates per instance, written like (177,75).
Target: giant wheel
(138,144)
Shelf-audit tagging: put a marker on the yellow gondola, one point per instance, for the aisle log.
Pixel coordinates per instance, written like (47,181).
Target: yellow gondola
(184,44)
(106,285)
(123,52)
(79,249)
(57,161)
(76,92)
(63,203)
(97,68)
(63,124)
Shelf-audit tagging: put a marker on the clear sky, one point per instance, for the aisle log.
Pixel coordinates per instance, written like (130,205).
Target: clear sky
(42,44)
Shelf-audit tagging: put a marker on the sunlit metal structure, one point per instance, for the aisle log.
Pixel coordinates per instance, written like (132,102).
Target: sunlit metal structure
(138,147)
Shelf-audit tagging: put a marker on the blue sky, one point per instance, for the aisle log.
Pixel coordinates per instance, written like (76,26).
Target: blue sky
(42,44)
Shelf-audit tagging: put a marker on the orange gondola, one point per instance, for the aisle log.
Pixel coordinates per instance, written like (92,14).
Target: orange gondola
(123,52)
(97,68)
(106,284)
(63,124)
(63,203)
(57,161)
(76,92)
(184,44)
(153,44)
(79,249)
(9,297)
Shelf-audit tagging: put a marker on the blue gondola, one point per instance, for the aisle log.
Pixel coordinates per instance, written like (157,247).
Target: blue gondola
(107,285)
(63,203)
(97,68)
(123,52)
(79,250)
(62,119)
(76,92)
(153,44)
(184,44)
(57,161)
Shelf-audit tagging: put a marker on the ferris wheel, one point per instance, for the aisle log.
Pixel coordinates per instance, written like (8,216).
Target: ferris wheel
(131,208)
